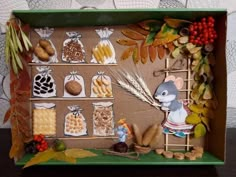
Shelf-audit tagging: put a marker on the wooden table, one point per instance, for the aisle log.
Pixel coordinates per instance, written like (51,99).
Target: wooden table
(8,169)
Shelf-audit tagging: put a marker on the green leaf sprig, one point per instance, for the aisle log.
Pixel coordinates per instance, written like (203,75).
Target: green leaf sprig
(14,48)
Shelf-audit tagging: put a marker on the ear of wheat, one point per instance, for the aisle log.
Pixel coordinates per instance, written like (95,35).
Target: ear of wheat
(137,86)
(141,92)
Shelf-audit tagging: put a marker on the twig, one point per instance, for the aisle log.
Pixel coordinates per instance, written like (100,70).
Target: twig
(127,155)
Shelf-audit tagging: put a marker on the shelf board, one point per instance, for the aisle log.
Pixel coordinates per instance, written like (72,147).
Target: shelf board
(70,99)
(70,64)
(84,138)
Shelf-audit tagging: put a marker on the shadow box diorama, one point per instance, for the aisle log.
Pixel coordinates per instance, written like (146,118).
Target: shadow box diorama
(131,87)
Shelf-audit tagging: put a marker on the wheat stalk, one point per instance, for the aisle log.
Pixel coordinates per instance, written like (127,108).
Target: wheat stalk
(136,93)
(145,87)
(137,86)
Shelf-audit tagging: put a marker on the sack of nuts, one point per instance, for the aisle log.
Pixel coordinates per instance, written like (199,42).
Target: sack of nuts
(101,86)
(75,124)
(74,85)
(45,52)
(43,83)
(73,49)
(103,123)
(104,52)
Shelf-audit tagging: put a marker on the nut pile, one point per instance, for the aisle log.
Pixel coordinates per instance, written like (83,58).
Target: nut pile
(74,124)
(43,85)
(101,87)
(73,51)
(103,121)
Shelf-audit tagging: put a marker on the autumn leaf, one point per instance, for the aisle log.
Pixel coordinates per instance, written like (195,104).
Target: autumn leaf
(165,35)
(199,130)
(150,38)
(135,55)
(206,122)
(7,115)
(195,108)
(150,25)
(61,156)
(41,157)
(176,23)
(79,153)
(193,119)
(17,146)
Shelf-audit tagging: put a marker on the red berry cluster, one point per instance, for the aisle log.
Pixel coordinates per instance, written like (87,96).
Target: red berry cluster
(203,32)
(42,145)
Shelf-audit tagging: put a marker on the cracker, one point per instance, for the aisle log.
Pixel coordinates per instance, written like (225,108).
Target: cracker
(44,122)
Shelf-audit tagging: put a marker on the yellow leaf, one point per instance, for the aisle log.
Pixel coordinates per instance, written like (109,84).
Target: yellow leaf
(195,108)
(61,156)
(176,23)
(41,157)
(208,93)
(193,119)
(207,112)
(165,35)
(206,122)
(79,153)
(199,130)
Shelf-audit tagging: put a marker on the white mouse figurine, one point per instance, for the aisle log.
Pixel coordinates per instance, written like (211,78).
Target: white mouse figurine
(167,95)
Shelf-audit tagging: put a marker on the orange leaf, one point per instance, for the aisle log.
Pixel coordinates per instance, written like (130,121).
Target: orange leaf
(127,53)
(161,52)
(136,55)
(127,42)
(132,34)
(7,115)
(152,53)
(143,53)
(138,29)
(22,111)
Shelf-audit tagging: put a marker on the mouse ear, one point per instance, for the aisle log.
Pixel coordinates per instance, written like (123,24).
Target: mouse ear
(179,82)
(170,78)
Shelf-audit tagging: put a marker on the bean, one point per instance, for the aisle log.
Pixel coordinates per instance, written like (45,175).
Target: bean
(37,88)
(50,91)
(44,88)
(50,84)
(45,85)
(43,79)
(48,79)
(38,84)
(38,77)
(35,91)
(42,91)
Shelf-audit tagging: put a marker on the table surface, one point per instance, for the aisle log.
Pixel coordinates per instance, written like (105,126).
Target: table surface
(8,169)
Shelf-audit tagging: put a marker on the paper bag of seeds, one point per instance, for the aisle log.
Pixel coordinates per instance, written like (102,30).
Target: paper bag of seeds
(101,86)
(103,123)
(75,124)
(104,52)
(43,83)
(74,85)
(73,49)
(44,119)
(44,51)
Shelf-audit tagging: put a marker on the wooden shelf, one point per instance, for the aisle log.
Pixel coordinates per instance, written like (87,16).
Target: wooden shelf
(70,64)
(70,99)
(84,138)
